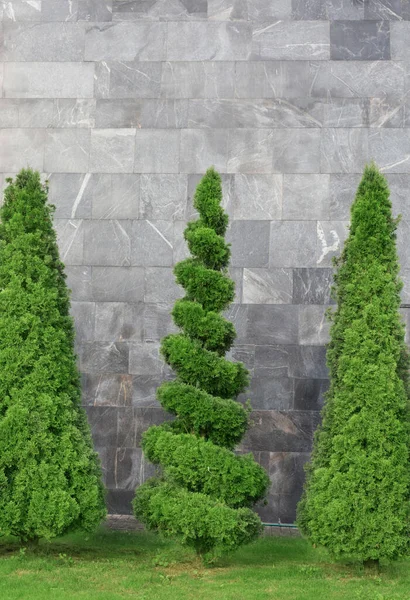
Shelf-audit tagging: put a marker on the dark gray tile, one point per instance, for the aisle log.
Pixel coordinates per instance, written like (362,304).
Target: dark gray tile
(270,393)
(309,393)
(312,286)
(309,362)
(107,389)
(309,10)
(389,10)
(360,40)
(102,357)
(271,324)
(103,424)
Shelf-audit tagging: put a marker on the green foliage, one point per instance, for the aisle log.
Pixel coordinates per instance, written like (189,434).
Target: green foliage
(49,474)
(205,490)
(356,499)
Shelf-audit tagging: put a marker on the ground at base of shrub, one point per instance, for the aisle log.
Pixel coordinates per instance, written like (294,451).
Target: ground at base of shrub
(112,565)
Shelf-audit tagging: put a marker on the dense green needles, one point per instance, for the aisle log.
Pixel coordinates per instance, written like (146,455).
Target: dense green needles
(356,500)
(49,474)
(205,491)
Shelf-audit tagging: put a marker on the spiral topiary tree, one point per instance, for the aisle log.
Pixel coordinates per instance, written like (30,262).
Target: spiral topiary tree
(50,478)
(356,498)
(205,491)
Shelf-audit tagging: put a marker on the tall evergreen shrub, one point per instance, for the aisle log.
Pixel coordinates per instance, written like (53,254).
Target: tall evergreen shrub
(50,480)
(356,499)
(205,491)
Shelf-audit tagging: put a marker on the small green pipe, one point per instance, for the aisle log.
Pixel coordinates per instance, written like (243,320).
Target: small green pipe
(287,525)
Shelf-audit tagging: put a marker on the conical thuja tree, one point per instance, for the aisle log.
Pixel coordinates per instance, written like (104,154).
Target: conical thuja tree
(49,474)
(356,499)
(205,491)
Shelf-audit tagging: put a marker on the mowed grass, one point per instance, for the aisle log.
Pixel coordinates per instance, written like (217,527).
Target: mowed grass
(115,565)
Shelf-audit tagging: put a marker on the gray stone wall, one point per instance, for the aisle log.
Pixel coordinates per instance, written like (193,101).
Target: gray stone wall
(123,104)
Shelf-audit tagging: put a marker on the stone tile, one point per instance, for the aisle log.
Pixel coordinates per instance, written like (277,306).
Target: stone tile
(71,195)
(359,40)
(152,243)
(403,233)
(145,359)
(273,79)
(389,10)
(346,112)
(118,284)
(111,389)
(234,113)
(228,10)
(390,148)
(312,286)
(202,79)
(309,10)
(405,293)
(331,236)
(118,321)
(79,282)
(272,361)
(238,315)
(180,247)
(144,390)
(309,362)
(48,80)
(74,113)
(399,37)
(344,150)
(20,147)
(289,150)
(384,112)
(42,42)
(83,314)
(145,417)
(104,357)
(314,326)
(142,113)
(257,197)
(244,353)
(160,285)
(250,150)
(267,393)
(341,194)
(67,150)
(291,40)
(399,185)
(293,244)
(107,243)
(20,10)
(103,424)
(306,195)
(309,393)
(271,324)
(157,151)
(131,469)
(112,150)
(70,236)
(59,10)
(115,196)
(338,10)
(163,197)
(201,148)
(128,80)
(158,321)
(351,79)
(267,286)
(281,431)
(26,113)
(119,502)
(211,40)
(249,243)
(94,10)
(264,10)
(236,274)
(125,41)
(180,10)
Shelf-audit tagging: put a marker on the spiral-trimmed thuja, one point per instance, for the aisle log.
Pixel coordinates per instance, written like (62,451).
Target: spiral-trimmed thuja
(205,490)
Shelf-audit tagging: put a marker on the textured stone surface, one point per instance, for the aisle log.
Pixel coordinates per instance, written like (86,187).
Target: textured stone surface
(122,105)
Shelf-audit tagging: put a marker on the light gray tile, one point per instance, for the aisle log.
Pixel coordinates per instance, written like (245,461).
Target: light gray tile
(83,314)
(117,284)
(399,184)
(291,40)
(258,197)
(59,10)
(344,150)
(306,195)
(152,243)
(67,150)
(314,326)
(385,112)
(142,113)
(160,285)
(330,239)
(163,197)
(293,244)
(296,150)
(228,10)
(70,236)
(95,10)
(48,80)
(201,148)
(20,10)
(342,192)
(177,10)
(273,79)
(399,40)
(309,10)
(118,321)
(112,150)
(107,243)
(74,113)
(115,196)
(265,10)
(128,79)
(250,151)
(210,41)
(346,112)
(71,194)
(42,42)
(249,243)
(389,10)
(390,148)
(156,151)
(79,282)
(202,79)
(125,41)
(345,9)
(21,147)
(267,286)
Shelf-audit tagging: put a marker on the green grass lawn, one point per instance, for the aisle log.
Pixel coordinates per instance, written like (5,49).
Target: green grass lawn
(112,566)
